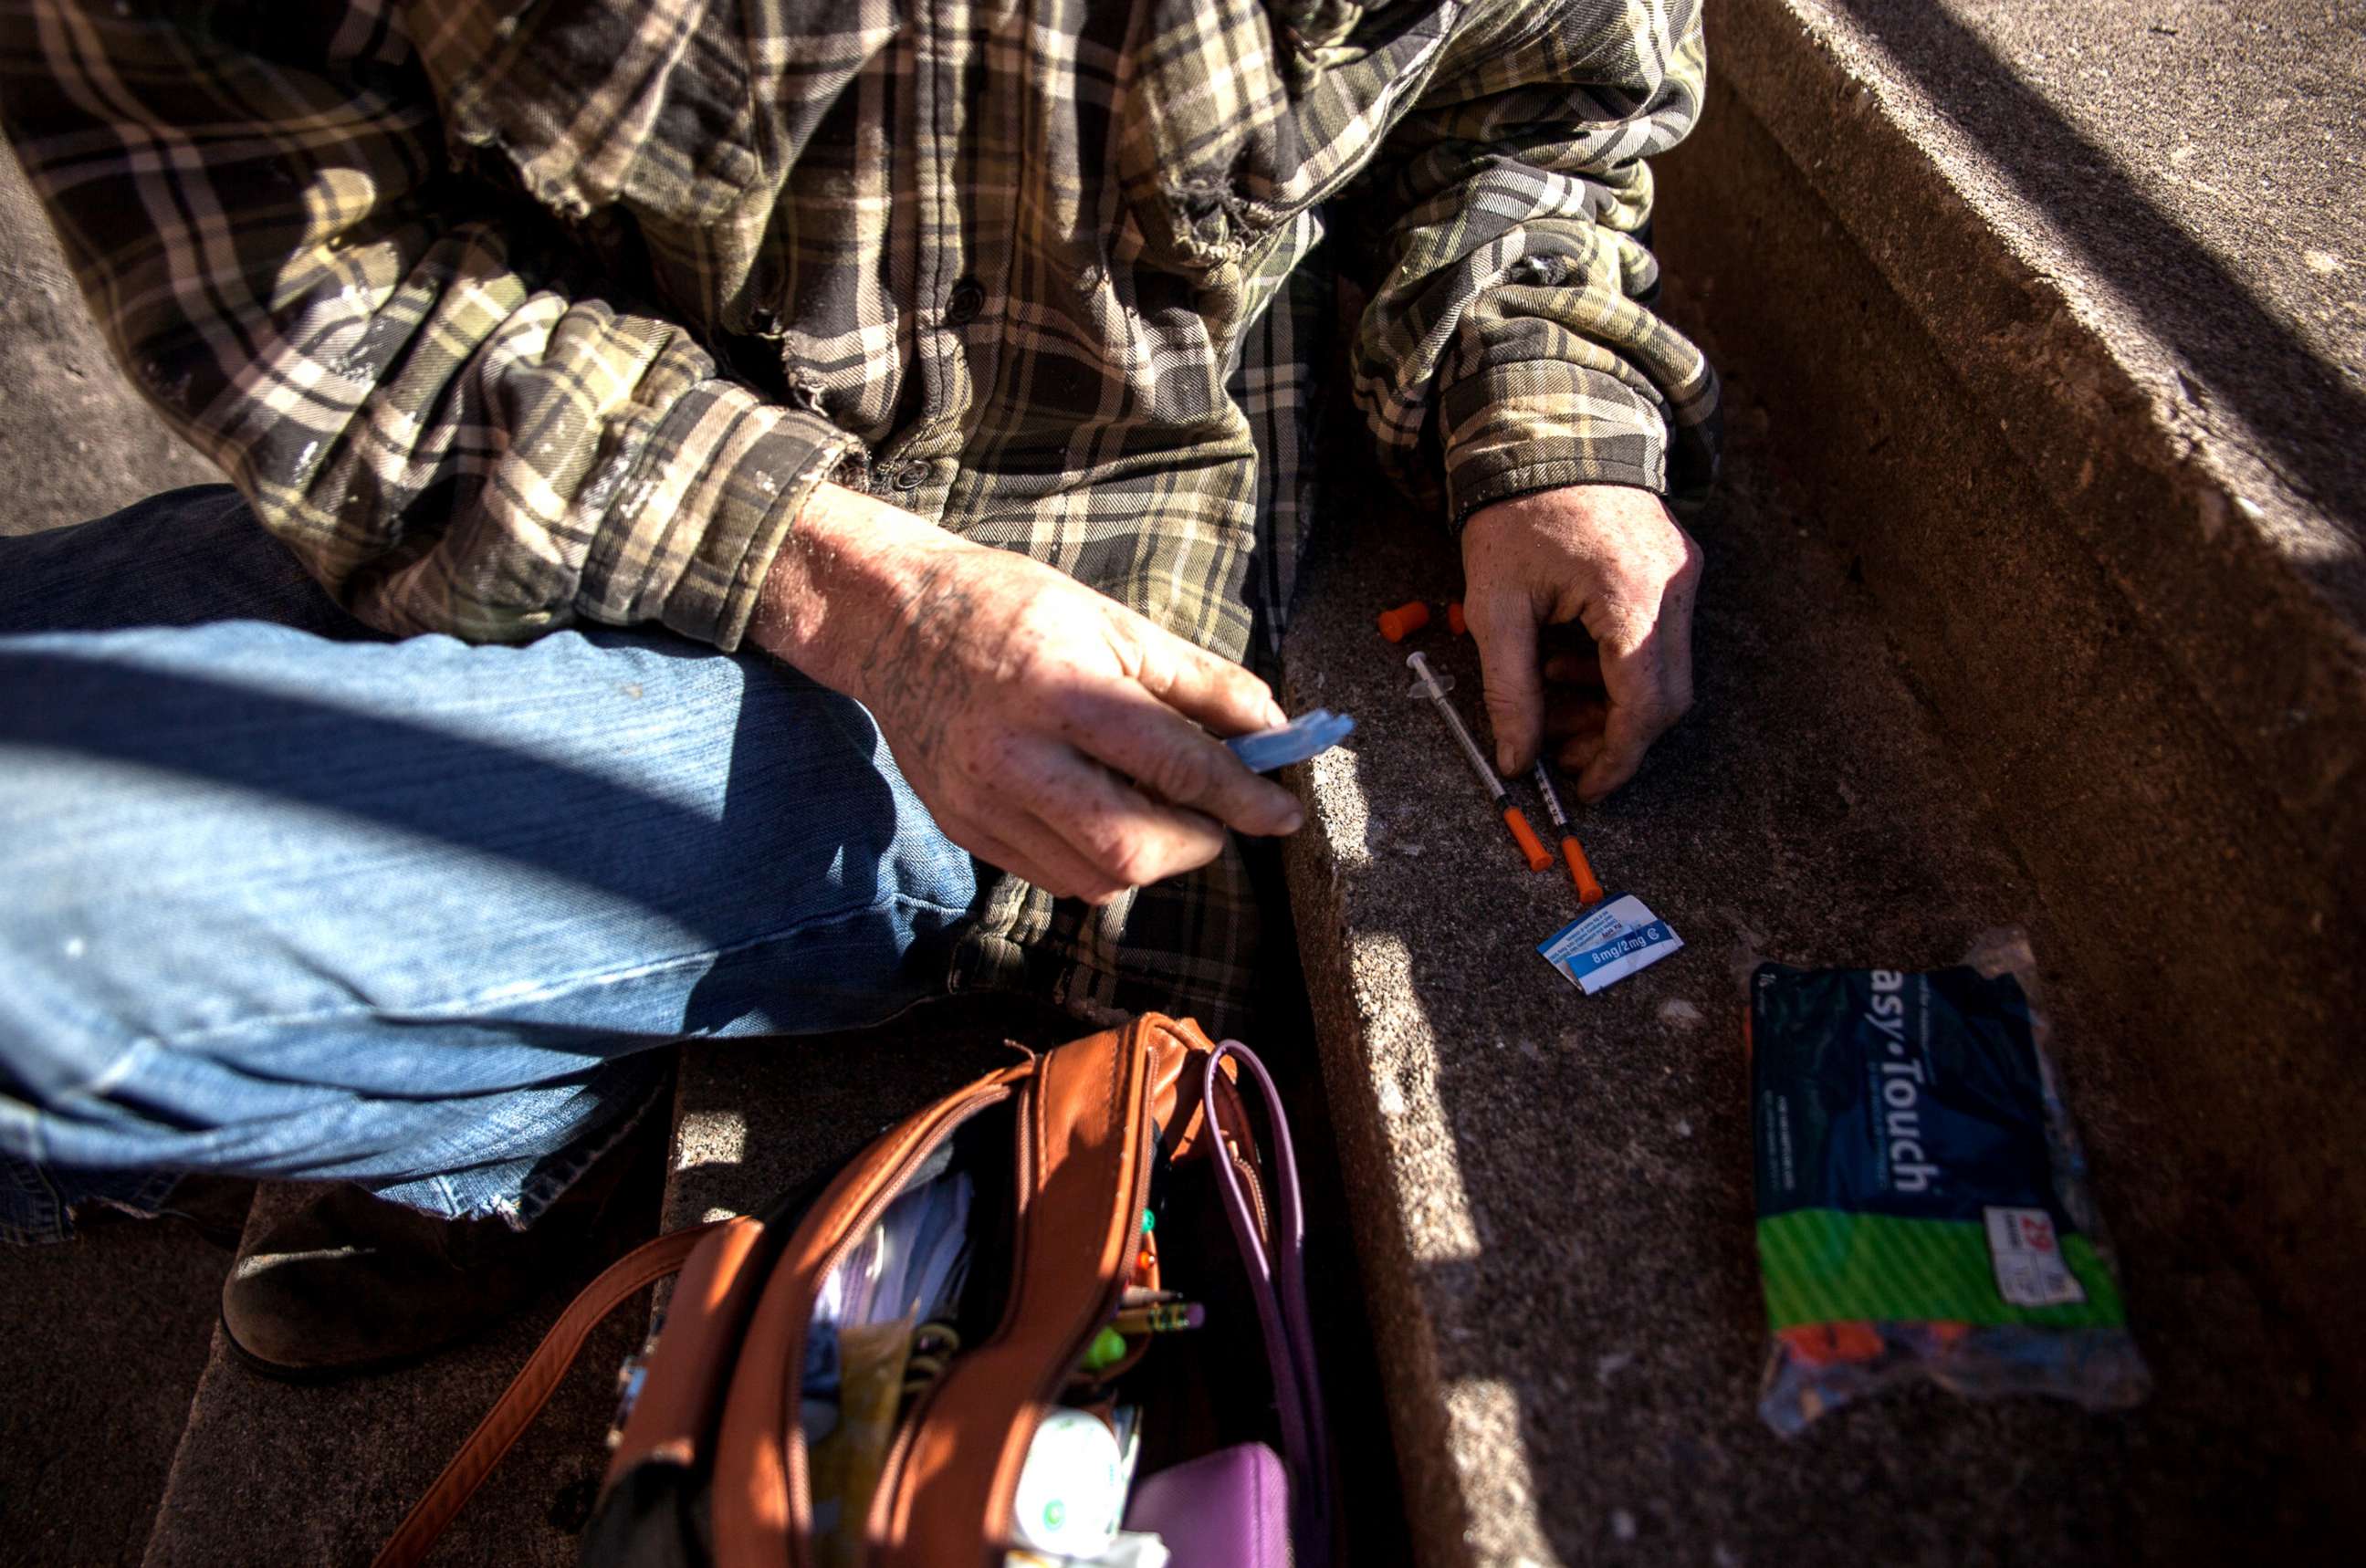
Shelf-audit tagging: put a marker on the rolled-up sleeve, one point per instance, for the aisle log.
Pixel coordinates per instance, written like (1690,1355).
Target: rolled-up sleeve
(1509,344)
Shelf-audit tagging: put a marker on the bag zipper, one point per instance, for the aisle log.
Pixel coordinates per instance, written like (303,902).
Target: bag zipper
(1246,1170)
(1047,1392)
(1047,1389)
(793,1441)
(899,1448)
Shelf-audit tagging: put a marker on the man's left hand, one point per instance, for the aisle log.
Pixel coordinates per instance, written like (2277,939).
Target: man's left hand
(1610,557)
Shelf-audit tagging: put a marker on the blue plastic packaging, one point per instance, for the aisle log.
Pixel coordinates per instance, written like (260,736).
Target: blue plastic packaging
(1309,735)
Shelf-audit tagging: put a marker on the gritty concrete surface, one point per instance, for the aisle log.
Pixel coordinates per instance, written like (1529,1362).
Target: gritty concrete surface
(2162,700)
(1552,1192)
(78,444)
(2202,165)
(755,1119)
(2146,210)
(2169,402)
(105,1337)
(274,1473)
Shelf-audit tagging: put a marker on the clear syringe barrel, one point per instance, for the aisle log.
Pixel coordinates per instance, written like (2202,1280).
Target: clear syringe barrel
(1552,796)
(1470,752)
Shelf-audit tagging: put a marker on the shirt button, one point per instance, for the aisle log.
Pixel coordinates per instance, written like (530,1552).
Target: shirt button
(909,475)
(967,299)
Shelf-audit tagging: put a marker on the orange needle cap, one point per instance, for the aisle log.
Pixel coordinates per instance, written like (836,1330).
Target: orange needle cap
(1404,620)
(1589,891)
(1526,837)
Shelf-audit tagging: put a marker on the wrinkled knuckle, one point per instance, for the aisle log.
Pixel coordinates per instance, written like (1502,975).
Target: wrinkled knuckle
(1127,644)
(1110,849)
(1132,863)
(1240,686)
(1020,664)
(1505,718)
(1045,666)
(1642,573)
(1694,562)
(1483,616)
(1185,776)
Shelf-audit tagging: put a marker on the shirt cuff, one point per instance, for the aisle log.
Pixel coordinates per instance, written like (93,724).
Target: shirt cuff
(697,522)
(1514,429)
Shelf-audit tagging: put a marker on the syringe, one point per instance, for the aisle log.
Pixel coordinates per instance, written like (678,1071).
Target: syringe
(1589,891)
(1427,685)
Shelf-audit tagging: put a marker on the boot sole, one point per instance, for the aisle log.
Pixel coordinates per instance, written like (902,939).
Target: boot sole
(313,1376)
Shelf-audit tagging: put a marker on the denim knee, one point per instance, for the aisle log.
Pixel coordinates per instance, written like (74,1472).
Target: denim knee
(291,907)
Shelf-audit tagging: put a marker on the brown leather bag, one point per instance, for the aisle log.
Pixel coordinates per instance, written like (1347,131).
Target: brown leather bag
(712,1462)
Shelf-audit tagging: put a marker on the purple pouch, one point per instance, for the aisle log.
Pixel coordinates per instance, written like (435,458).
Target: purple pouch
(1227,1509)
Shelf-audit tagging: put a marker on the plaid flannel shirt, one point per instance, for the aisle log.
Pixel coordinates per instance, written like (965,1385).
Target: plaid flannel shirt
(506,314)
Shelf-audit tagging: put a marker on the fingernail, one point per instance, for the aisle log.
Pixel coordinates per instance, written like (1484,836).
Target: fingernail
(1293,822)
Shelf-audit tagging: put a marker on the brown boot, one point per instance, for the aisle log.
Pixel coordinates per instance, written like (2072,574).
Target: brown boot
(351,1283)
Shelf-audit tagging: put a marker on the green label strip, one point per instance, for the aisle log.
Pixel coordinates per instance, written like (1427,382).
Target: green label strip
(1827,1266)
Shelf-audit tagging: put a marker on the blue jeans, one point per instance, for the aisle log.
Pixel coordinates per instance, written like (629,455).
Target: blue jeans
(282,897)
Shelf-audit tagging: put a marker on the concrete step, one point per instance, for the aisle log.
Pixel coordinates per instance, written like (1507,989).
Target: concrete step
(755,1119)
(2056,311)
(275,1473)
(2036,597)
(1552,1193)
(87,1447)
(80,442)
(106,1336)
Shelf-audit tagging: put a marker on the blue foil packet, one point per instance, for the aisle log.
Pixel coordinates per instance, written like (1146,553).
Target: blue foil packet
(1309,735)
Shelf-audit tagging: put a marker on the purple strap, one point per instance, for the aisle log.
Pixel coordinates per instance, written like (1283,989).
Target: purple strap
(1277,1280)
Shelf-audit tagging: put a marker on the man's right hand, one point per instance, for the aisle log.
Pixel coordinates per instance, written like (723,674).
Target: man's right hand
(1051,731)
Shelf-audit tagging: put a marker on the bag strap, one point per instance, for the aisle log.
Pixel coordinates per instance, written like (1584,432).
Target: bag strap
(1276,1268)
(532,1389)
